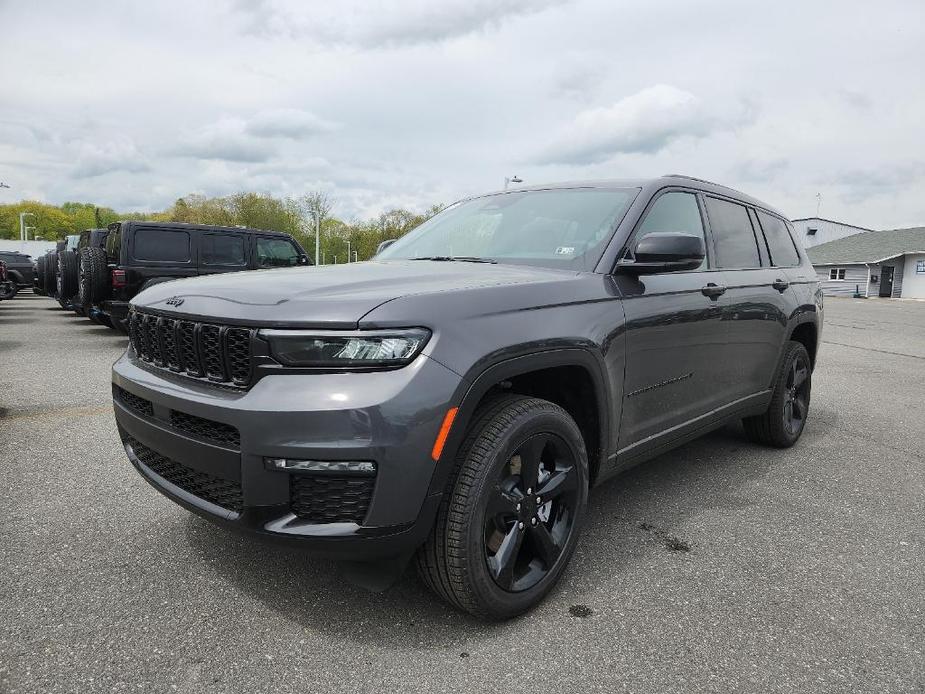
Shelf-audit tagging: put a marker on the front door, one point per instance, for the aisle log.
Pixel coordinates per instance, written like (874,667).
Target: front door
(674,332)
(886,281)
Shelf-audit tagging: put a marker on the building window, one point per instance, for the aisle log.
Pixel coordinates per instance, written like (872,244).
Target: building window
(920,267)
(837,273)
(811,231)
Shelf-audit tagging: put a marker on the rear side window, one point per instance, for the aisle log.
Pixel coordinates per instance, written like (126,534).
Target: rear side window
(276,253)
(222,249)
(674,211)
(162,245)
(114,245)
(783,252)
(733,236)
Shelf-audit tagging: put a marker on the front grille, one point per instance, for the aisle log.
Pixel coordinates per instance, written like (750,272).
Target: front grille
(137,404)
(217,432)
(215,490)
(330,498)
(216,353)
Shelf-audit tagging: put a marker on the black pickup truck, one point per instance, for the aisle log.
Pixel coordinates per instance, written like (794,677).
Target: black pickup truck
(19,268)
(142,254)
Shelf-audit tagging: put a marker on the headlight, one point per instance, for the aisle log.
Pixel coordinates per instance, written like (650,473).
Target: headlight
(344,349)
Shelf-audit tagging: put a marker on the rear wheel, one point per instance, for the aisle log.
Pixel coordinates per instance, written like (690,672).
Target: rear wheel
(783,422)
(508,526)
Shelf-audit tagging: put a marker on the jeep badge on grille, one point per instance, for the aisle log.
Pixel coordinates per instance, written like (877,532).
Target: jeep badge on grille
(174,301)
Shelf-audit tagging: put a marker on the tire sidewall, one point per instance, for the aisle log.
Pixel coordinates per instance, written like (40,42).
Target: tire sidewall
(795,351)
(499,601)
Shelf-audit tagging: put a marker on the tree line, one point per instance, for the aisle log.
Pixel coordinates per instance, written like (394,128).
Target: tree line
(294,215)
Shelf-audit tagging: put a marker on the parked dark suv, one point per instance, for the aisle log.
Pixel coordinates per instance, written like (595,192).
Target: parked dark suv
(455,398)
(142,254)
(20,268)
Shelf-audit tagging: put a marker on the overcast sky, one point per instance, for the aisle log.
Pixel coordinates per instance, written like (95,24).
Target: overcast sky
(408,102)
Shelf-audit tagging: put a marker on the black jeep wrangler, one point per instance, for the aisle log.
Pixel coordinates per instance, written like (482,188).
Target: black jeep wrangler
(456,398)
(19,268)
(143,254)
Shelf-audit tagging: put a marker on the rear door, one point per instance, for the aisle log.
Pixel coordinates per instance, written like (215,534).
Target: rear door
(222,251)
(758,299)
(674,330)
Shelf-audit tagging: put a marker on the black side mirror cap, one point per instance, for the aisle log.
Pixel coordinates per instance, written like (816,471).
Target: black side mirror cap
(662,251)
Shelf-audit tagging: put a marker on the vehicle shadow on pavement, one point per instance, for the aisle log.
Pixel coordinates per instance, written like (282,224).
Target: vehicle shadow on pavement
(635,513)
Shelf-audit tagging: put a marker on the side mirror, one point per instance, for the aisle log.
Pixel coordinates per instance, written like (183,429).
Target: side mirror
(303,260)
(664,251)
(385,244)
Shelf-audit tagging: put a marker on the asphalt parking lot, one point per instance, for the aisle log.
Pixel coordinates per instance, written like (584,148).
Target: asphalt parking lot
(720,567)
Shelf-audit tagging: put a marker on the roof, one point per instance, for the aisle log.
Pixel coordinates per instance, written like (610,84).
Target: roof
(199,227)
(830,221)
(869,247)
(649,185)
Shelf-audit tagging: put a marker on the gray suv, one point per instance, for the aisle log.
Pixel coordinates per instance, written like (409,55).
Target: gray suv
(453,400)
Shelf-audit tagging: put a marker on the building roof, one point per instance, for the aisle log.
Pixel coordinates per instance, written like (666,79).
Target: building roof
(830,221)
(869,247)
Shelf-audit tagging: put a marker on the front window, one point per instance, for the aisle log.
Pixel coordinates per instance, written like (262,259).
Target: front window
(561,228)
(837,273)
(276,253)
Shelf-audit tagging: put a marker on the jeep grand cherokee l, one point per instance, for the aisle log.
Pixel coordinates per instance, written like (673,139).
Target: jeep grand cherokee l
(454,399)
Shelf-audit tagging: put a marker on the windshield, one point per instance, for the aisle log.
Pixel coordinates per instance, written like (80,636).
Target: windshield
(560,228)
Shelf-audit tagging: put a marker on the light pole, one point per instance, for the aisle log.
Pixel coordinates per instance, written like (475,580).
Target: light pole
(317,235)
(22,224)
(512,179)
(348,250)
(32,229)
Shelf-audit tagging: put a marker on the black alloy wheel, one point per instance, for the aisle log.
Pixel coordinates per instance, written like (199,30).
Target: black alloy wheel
(531,513)
(782,424)
(796,401)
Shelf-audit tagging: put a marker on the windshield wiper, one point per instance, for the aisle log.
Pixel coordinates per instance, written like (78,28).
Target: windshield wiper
(454,258)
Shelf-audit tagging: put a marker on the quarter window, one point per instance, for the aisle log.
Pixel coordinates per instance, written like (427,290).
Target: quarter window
(674,212)
(733,236)
(837,273)
(276,253)
(162,245)
(783,252)
(222,249)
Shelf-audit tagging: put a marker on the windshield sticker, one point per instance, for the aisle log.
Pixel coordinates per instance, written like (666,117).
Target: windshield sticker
(565,250)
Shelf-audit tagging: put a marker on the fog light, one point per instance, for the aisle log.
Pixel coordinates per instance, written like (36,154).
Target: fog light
(350,467)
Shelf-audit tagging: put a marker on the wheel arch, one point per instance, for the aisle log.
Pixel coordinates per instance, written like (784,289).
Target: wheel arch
(526,374)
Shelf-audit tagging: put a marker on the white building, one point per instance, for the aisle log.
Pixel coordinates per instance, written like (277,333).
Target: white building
(888,264)
(813,231)
(33,248)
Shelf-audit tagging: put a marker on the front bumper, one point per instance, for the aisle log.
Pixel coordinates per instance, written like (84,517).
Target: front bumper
(388,417)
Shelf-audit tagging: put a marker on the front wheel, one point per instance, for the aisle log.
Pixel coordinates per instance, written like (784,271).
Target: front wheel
(508,526)
(783,422)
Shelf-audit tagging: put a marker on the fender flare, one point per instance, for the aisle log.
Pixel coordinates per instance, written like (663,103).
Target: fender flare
(480,379)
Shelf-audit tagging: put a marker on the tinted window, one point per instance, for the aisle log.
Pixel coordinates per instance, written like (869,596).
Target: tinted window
(674,212)
(780,244)
(222,249)
(733,236)
(114,245)
(276,253)
(162,245)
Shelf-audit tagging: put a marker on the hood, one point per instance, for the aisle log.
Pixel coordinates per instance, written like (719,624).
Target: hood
(330,296)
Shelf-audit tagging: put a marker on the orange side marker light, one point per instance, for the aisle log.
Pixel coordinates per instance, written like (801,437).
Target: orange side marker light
(444,432)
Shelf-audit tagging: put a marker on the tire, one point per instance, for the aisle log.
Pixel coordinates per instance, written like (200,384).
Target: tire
(490,510)
(8,290)
(68,267)
(50,282)
(38,286)
(94,276)
(783,422)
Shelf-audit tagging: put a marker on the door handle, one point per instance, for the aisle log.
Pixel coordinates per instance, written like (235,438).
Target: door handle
(780,285)
(713,290)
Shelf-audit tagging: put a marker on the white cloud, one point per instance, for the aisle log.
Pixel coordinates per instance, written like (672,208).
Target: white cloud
(225,140)
(287,123)
(644,122)
(107,156)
